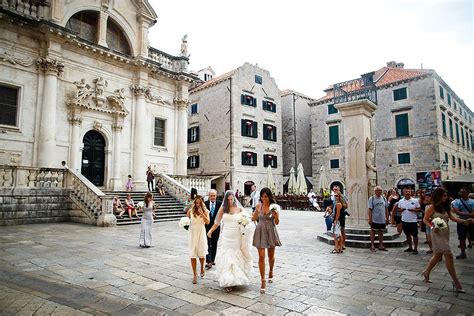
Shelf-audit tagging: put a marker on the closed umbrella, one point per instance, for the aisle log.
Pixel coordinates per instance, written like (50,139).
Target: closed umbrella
(323,179)
(292,181)
(270,182)
(301,181)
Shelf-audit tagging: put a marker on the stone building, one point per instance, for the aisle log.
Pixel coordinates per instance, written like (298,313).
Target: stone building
(296,122)
(80,83)
(234,129)
(419,126)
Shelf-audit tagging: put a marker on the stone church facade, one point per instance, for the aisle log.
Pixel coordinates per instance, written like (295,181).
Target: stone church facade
(79,83)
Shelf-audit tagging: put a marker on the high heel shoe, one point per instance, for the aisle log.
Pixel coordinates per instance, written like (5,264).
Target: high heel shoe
(270,277)
(263,287)
(458,290)
(195,279)
(202,274)
(426,277)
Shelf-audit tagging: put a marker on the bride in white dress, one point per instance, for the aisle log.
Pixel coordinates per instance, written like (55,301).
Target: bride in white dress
(234,260)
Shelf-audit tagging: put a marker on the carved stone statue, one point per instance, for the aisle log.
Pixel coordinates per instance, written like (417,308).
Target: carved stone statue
(82,88)
(100,85)
(184,46)
(370,164)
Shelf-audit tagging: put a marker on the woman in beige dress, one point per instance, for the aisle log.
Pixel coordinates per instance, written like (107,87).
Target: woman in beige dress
(440,208)
(199,216)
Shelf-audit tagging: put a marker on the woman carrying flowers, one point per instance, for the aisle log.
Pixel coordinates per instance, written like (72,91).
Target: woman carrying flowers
(147,220)
(437,216)
(266,234)
(199,216)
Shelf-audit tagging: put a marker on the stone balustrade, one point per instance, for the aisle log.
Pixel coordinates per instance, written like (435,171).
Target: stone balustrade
(29,8)
(166,61)
(201,184)
(176,189)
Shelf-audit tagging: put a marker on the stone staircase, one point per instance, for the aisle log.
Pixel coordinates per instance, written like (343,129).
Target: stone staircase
(169,209)
(360,238)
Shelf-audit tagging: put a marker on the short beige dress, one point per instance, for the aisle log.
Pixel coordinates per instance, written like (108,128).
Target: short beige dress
(197,237)
(440,238)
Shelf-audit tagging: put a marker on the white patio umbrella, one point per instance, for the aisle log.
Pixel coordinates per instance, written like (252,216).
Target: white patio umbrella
(292,181)
(270,181)
(301,181)
(323,179)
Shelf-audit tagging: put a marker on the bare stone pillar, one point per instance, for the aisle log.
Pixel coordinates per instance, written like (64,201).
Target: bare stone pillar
(117,131)
(356,119)
(182,141)
(102,34)
(74,150)
(139,141)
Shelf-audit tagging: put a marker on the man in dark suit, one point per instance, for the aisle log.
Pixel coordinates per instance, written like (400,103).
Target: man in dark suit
(213,206)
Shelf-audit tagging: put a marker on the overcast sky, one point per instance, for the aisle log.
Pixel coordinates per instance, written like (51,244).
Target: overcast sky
(308,45)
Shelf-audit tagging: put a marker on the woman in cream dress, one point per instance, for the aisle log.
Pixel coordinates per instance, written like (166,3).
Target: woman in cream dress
(199,216)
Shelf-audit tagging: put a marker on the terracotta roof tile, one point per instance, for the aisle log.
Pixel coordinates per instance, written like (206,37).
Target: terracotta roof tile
(214,81)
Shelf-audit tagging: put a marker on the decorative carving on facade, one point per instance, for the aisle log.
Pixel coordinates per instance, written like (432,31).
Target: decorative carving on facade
(50,66)
(270,150)
(117,124)
(138,90)
(94,99)
(370,164)
(156,98)
(97,125)
(180,103)
(25,62)
(11,158)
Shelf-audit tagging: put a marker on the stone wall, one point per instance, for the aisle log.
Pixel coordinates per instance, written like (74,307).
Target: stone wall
(34,206)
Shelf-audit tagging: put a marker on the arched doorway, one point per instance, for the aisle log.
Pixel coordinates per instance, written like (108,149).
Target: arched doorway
(93,158)
(406,183)
(248,187)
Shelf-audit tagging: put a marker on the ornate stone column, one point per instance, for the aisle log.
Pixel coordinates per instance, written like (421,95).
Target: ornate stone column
(102,34)
(117,127)
(52,69)
(74,151)
(182,138)
(356,117)
(139,143)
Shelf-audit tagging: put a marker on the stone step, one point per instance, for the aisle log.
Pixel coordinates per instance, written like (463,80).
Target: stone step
(134,221)
(355,243)
(386,236)
(362,231)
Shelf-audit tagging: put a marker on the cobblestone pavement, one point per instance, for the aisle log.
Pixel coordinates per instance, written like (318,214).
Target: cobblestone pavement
(74,269)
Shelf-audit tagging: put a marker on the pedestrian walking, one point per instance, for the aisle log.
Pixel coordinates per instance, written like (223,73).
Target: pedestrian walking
(199,216)
(378,217)
(147,221)
(464,208)
(410,207)
(213,206)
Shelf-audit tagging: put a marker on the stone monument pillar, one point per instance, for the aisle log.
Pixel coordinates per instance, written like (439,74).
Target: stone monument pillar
(117,127)
(74,157)
(356,117)
(182,140)
(139,139)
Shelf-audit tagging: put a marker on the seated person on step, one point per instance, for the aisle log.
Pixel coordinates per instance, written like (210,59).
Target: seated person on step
(117,207)
(130,206)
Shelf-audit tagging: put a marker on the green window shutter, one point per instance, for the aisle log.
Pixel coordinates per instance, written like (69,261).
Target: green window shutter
(189,135)
(197,133)
(331,109)
(400,94)
(334,135)
(403,158)
(457,133)
(274,134)
(197,161)
(462,138)
(274,162)
(401,125)
(446,157)
(242,127)
(443,122)
(265,131)
(255,129)
(243,157)
(451,131)
(254,159)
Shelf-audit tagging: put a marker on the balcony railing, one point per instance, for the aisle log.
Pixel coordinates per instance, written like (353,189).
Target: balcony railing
(357,89)
(29,8)
(167,61)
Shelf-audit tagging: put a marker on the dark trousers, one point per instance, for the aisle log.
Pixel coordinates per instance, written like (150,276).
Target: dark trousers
(212,246)
(150,184)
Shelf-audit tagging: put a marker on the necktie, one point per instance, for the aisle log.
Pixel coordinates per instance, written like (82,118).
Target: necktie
(212,209)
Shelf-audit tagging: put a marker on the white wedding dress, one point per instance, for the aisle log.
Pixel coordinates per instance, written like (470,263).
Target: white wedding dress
(234,261)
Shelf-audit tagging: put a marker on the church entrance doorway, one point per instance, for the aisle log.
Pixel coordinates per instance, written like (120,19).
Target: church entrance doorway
(93,158)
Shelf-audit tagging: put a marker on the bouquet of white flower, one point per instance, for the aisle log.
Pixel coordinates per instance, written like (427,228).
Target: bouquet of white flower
(140,204)
(439,223)
(244,220)
(274,208)
(184,222)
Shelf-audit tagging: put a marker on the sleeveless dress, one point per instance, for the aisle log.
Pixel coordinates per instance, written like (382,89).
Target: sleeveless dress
(266,234)
(197,238)
(440,239)
(234,261)
(146,224)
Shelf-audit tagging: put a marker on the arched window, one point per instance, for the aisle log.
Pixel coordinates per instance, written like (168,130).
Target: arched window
(116,39)
(85,24)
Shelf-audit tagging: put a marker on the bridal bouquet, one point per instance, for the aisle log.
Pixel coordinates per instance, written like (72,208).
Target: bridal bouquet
(140,204)
(244,220)
(439,223)
(184,222)
(274,208)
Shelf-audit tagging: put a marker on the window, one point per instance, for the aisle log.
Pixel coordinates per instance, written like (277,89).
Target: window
(269,106)
(194,108)
(8,105)
(404,158)
(453,161)
(248,100)
(258,79)
(441,92)
(116,39)
(451,131)
(446,157)
(455,105)
(270,160)
(467,140)
(193,162)
(401,125)
(249,128)
(85,25)
(449,101)
(333,135)
(443,122)
(465,164)
(249,158)
(459,163)
(462,138)
(207,77)
(399,94)
(160,132)
(457,133)
(470,166)
(332,109)
(269,132)
(334,163)
(193,134)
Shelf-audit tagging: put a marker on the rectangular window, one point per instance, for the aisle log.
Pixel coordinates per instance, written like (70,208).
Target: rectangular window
(470,166)
(449,101)
(258,79)
(248,100)
(399,94)
(194,108)
(459,163)
(249,128)
(249,158)
(465,164)
(462,138)
(443,122)
(333,135)
(457,133)
(401,125)
(270,160)
(193,134)
(453,159)
(269,106)
(404,158)
(455,105)
(446,157)
(451,130)
(193,162)
(8,105)
(467,140)
(332,109)
(334,163)
(269,132)
(441,92)
(160,132)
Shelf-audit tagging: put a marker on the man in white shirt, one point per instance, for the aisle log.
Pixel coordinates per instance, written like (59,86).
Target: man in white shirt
(254,197)
(410,207)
